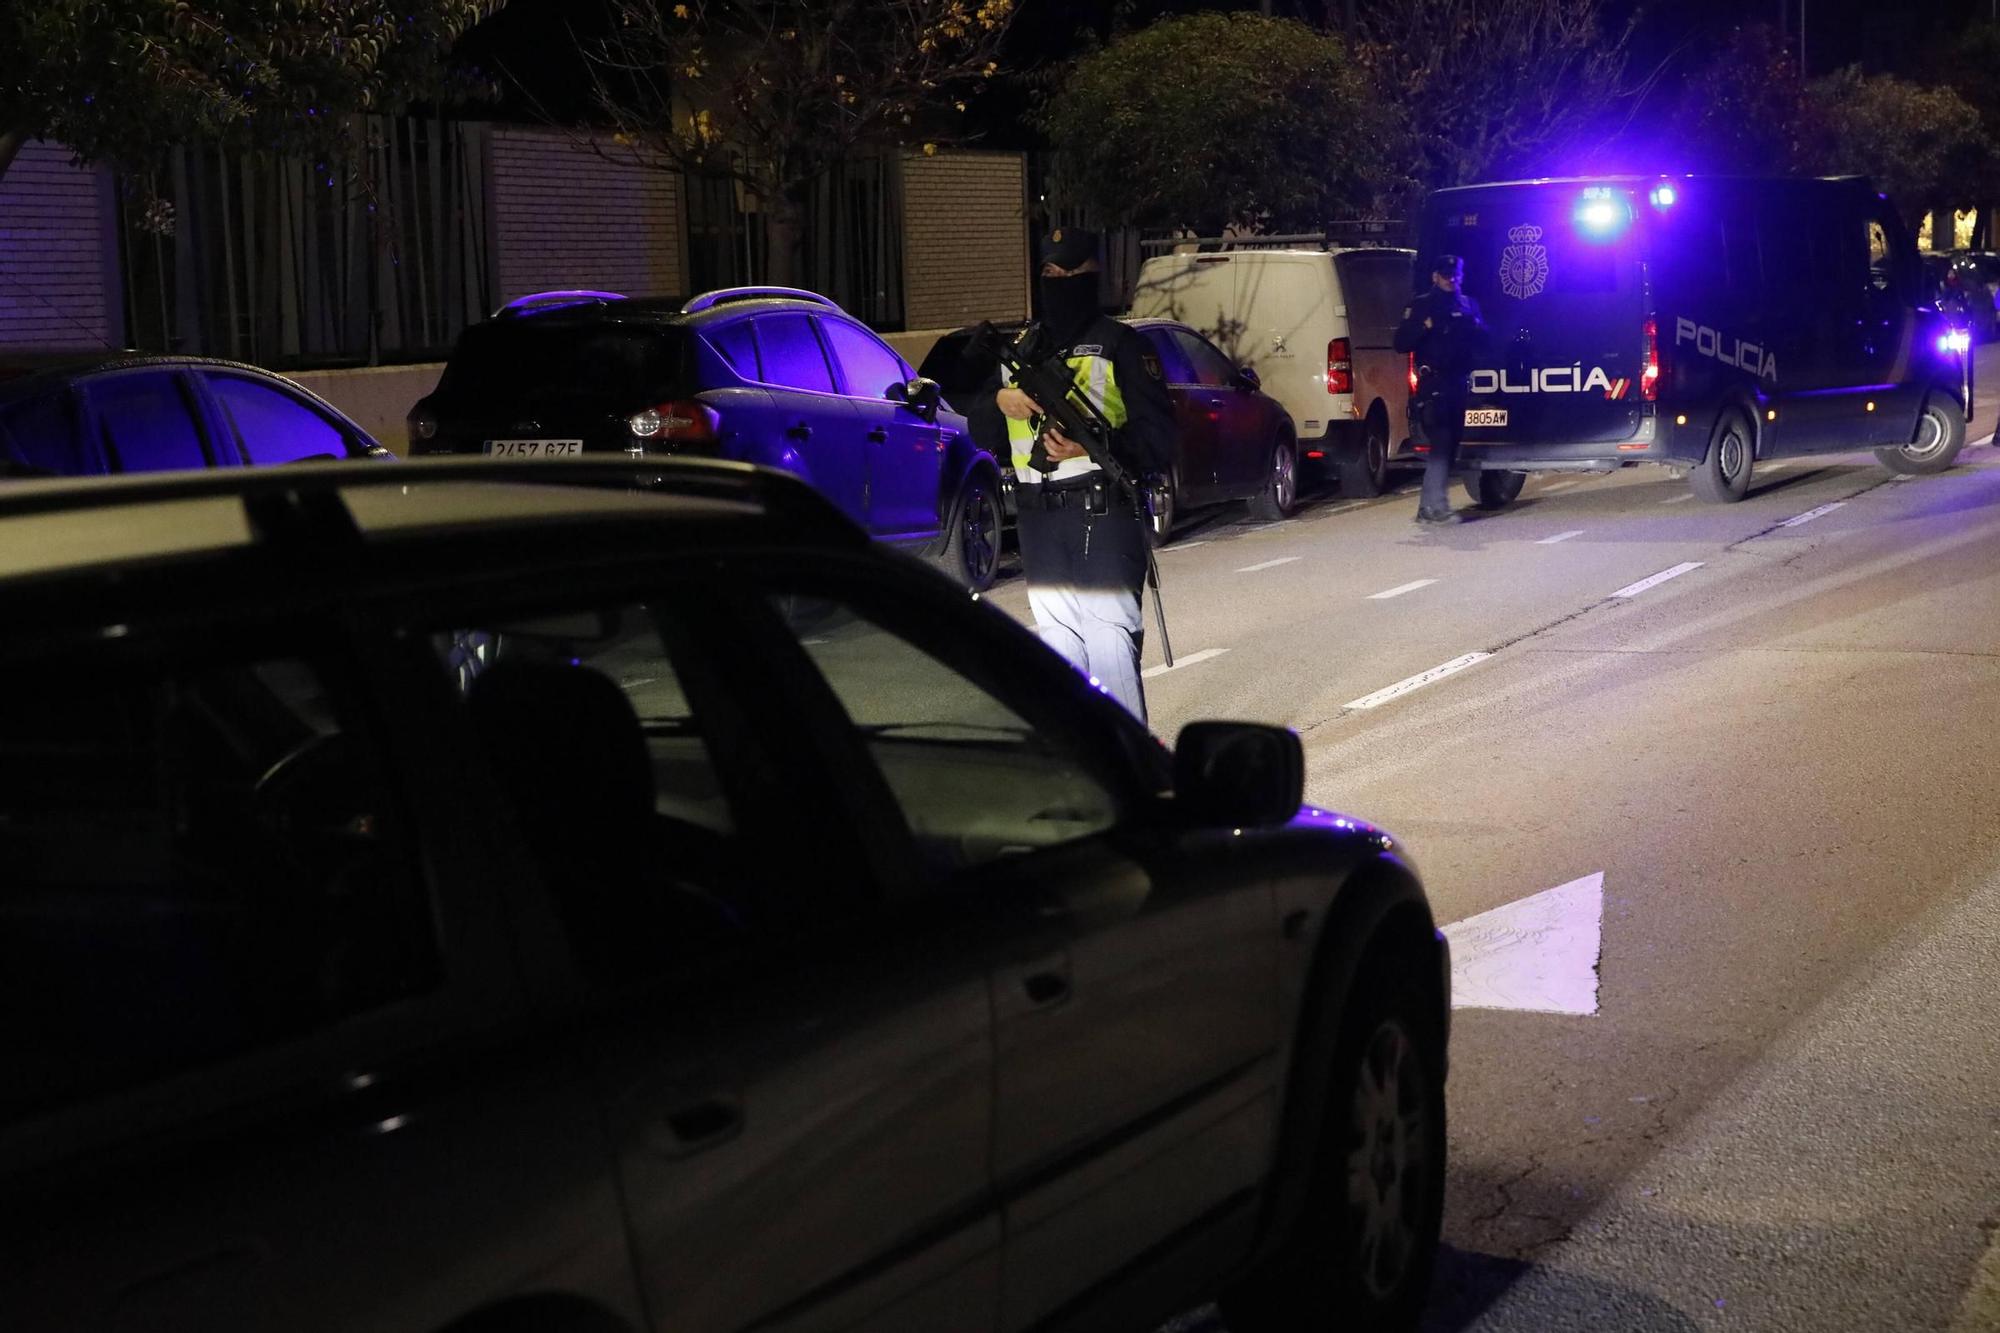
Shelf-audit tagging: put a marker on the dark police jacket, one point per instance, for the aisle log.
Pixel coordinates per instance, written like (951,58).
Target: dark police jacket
(1146,441)
(1446,350)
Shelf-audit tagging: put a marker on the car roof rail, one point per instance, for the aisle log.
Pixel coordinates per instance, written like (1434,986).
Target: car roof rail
(554,300)
(724,295)
(303,500)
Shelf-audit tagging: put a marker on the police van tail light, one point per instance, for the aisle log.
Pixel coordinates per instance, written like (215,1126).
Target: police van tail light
(1413,372)
(1649,378)
(1339,367)
(683,422)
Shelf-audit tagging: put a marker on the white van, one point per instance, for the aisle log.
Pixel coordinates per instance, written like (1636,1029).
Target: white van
(1316,326)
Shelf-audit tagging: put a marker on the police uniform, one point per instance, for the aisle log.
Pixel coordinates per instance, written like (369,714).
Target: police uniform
(1084,542)
(1445,351)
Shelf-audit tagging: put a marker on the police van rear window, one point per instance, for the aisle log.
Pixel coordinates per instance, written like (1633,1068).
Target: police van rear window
(1541,242)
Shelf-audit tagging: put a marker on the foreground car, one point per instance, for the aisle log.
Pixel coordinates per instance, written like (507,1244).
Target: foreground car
(442,902)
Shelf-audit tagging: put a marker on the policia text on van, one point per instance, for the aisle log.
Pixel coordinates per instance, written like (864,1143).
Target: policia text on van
(1702,322)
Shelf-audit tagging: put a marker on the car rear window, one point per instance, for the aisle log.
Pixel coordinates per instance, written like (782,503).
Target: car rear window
(1376,286)
(534,358)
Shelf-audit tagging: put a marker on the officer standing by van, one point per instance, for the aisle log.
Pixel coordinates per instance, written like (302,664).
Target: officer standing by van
(1083,546)
(1444,329)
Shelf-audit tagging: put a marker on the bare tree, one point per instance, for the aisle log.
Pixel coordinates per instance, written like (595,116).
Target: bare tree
(774,92)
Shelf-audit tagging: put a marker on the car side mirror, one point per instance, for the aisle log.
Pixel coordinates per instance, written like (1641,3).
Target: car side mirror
(920,395)
(1238,774)
(1248,380)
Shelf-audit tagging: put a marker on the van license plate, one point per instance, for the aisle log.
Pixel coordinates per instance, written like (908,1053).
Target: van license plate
(533,448)
(1485,416)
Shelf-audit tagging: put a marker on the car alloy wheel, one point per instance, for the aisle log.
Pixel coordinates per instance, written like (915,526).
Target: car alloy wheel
(979,535)
(1387,1166)
(1284,476)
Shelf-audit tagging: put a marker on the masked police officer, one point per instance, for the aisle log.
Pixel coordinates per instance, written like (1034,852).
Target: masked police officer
(1444,329)
(1083,545)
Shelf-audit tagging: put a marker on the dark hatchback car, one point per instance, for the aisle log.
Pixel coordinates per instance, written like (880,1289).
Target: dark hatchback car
(1236,442)
(438,901)
(138,413)
(767,375)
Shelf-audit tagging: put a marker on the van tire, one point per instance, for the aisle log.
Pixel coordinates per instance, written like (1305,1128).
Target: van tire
(1495,488)
(1723,476)
(1939,436)
(1364,468)
(1280,496)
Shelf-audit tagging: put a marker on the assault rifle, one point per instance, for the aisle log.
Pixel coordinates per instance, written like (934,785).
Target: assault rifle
(1036,366)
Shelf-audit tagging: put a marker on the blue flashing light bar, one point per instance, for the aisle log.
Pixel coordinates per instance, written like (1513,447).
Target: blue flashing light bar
(1602,214)
(1664,195)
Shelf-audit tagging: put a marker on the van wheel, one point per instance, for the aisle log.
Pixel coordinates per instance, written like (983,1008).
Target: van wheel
(1724,476)
(972,543)
(1364,470)
(1940,435)
(1495,488)
(1280,496)
(1361,1255)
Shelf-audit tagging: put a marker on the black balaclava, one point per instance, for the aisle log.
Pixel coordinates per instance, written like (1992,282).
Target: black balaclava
(1068,305)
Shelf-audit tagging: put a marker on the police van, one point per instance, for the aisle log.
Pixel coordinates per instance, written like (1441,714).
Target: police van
(1705,323)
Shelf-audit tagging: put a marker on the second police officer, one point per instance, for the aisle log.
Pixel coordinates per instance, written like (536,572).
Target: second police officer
(1443,328)
(1083,548)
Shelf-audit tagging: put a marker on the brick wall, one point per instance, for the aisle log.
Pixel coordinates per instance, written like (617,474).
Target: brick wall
(965,238)
(564,217)
(58,254)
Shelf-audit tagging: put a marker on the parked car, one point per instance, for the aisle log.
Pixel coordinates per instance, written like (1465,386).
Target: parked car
(768,375)
(1236,442)
(448,899)
(1978,274)
(1274,312)
(127,412)
(1703,323)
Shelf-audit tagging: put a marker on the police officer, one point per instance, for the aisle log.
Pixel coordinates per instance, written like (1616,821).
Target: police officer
(1083,544)
(1444,329)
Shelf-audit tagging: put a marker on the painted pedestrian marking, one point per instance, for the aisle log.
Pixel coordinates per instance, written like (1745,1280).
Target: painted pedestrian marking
(1538,955)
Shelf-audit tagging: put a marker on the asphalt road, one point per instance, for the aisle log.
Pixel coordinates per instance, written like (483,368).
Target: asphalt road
(1784,1112)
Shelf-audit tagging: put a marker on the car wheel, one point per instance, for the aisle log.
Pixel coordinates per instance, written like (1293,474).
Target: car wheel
(1495,488)
(1163,502)
(1280,496)
(1364,472)
(972,547)
(1361,1254)
(1940,435)
(1724,476)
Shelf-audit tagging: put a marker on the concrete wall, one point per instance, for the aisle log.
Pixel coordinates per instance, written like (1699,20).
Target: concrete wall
(965,238)
(565,217)
(58,254)
(377,397)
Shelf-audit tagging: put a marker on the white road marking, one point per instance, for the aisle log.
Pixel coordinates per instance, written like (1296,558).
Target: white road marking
(1186,660)
(1539,955)
(1417,682)
(1268,564)
(1812,514)
(1257,527)
(1984,439)
(1399,590)
(1678,499)
(1634,589)
(1559,486)
(1182,546)
(1560,537)
(1904,476)
(1980,1309)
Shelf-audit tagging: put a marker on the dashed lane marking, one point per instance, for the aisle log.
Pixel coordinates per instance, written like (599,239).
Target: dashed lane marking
(1400,589)
(1678,499)
(1558,486)
(1812,514)
(1186,660)
(1182,546)
(1418,681)
(1560,537)
(1267,564)
(1634,589)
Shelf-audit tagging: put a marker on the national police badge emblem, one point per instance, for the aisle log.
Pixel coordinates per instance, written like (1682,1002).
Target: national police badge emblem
(1524,265)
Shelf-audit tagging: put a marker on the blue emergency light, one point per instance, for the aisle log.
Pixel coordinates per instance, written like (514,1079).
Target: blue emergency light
(1601,214)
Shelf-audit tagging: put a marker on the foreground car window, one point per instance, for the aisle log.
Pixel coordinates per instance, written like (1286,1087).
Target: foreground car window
(145,422)
(274,426)
(976,782)
(199,862)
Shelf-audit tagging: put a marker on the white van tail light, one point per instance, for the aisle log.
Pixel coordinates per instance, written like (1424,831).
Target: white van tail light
(1649,378)
(1339,367)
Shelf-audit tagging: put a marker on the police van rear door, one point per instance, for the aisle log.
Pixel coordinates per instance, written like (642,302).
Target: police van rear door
(1556,270)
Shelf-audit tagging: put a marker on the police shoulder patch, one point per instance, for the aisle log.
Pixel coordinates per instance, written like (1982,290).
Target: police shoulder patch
(1087,349)
(1151,361)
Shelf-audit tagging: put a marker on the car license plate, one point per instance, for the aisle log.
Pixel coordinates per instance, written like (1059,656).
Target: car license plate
(533,448)
(1485,416)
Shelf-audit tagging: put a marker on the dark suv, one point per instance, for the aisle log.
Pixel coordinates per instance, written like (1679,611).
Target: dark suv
(767,375)
(437,898)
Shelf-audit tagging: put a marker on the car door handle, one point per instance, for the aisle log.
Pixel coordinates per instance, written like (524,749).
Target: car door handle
(879,435)
(699,1125)
(800,432)
(1046,988)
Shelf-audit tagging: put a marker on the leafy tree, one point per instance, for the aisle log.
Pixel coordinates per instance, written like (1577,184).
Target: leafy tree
(1496,88)
(125,82)
(1215,119)
(1745,109)
(775,92)
(1906,137)
(1968,69)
